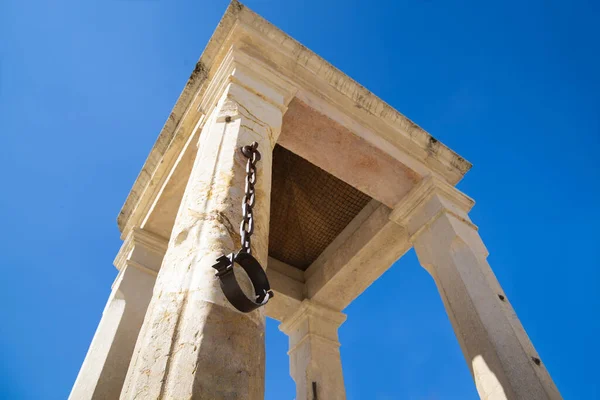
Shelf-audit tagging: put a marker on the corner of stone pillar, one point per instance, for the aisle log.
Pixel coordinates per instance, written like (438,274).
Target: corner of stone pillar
(242,76)
(429,201)
(104,368)
(315,313)
(499,354)
(430,198)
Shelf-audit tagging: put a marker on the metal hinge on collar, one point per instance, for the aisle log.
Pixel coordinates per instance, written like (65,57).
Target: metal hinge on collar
(224,266)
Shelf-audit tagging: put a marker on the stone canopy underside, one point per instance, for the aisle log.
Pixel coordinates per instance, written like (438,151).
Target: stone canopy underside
(309,209)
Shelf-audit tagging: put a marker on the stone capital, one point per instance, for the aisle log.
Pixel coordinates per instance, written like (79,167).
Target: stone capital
(246,91)
(140,250)
(240,68)
(315,312)
(315,362)
(428,200)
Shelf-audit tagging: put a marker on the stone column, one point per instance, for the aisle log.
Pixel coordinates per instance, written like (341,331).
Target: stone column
(105,366)
(315,362)
(193,343)
(502,360)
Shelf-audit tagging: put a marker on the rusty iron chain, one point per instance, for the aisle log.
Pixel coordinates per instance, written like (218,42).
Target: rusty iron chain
(247,225)
(224,265)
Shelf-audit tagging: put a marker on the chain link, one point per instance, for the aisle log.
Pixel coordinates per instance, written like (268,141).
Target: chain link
(247,225)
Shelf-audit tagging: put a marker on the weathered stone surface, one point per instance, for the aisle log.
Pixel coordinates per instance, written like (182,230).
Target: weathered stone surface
(193,342)
(288,284)
(323,88)
(500,356)
(320,140)
(368,246)
(314,351)
(105,366)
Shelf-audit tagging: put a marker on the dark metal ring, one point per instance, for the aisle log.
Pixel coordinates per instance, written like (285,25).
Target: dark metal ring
(250,150)
(247,151)
(230,286)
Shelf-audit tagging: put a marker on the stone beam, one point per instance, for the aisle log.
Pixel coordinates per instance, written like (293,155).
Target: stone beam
(320,86)
(314,136)
(160,215)
(366,248)
(288,284)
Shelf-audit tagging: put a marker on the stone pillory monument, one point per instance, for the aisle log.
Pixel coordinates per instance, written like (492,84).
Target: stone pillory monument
(279,187)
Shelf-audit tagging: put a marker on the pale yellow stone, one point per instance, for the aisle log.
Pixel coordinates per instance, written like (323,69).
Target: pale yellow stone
(255,83)
(500,356)
(314,351)
(105,366)
(193,342)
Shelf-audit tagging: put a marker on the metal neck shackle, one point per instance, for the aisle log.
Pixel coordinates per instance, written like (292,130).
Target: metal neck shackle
(224,266)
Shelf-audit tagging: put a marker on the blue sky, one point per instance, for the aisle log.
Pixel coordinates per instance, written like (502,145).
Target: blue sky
(85,87)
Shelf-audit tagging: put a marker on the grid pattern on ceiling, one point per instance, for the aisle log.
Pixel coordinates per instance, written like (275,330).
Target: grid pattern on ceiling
(309,209)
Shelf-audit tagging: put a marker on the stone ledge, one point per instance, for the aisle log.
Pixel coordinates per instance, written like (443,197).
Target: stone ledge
(430,151)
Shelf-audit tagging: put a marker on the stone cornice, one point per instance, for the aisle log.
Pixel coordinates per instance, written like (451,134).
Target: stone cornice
(194,87)
(296,66)
(313,73)
(216,69)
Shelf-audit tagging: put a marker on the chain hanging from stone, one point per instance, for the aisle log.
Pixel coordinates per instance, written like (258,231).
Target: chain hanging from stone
(224,266)
(247,225)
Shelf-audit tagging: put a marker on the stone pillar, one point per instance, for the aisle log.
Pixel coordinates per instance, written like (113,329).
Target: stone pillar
(193,343)
(502,360)
(105,366)
(315,361)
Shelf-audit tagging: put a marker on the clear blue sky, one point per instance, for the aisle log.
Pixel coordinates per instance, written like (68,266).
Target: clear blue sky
(514,87)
